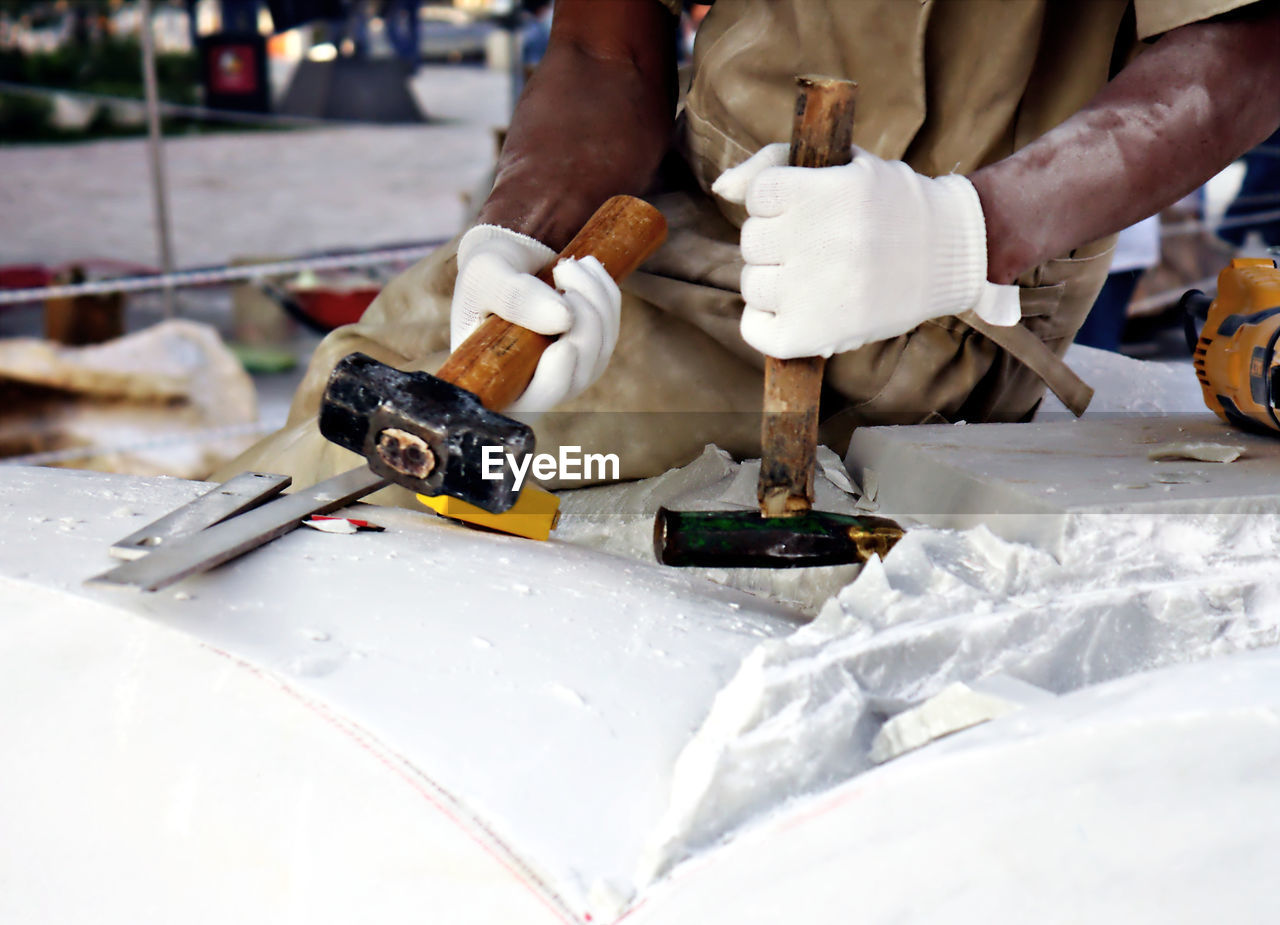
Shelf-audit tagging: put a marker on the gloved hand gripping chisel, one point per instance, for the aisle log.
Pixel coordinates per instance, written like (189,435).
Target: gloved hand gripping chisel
(426,433)
(786,532)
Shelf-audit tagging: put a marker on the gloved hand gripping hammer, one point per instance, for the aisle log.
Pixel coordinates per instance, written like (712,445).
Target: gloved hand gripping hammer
(429,433)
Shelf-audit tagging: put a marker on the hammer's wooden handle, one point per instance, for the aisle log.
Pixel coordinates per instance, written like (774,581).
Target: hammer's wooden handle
(497,361)
(821,136)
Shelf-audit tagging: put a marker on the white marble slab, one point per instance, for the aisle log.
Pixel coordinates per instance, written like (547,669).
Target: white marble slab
(1025,481)
(547,688)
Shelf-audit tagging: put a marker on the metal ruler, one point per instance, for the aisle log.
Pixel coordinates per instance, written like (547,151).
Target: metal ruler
(227,522)
(244,492)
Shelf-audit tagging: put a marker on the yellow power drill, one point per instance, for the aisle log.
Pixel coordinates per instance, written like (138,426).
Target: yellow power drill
(1234,349)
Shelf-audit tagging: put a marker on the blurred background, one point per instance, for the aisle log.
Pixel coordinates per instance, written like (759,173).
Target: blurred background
(332,152)
(193,191)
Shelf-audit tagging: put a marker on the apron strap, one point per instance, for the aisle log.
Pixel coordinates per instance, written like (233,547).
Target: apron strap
(1033,353)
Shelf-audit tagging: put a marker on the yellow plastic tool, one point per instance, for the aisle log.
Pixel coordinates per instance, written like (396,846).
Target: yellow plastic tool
(1235,353)
(534,515)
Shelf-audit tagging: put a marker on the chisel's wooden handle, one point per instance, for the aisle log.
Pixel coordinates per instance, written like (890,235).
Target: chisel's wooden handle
(497,361)
(821,136)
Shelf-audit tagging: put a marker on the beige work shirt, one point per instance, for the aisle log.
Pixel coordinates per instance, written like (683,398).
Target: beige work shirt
(949,85)
(946,85)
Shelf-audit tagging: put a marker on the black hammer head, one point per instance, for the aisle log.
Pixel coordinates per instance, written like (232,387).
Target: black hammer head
(426,434)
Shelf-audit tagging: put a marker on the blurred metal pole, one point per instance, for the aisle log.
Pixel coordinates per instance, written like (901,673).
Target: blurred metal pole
(155,153)
(515,50)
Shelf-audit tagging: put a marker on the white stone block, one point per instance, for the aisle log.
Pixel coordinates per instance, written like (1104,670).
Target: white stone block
(1026,482)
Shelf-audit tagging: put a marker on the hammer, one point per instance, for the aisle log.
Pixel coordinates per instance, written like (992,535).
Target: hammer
(427,433)
(430,433)
(786,532)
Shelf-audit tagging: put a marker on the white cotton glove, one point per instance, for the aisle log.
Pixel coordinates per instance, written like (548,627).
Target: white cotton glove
(495,276)
(838,257)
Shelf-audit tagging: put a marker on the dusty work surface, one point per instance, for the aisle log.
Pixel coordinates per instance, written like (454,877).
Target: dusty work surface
(495,666)
(593,722)
(1023,480)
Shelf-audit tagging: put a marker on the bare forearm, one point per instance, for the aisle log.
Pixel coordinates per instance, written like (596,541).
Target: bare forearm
(593,122)
(1178,114)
